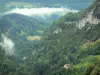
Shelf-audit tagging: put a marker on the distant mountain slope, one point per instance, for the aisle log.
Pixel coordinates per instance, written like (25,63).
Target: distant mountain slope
(21,21)
(70,3)
(22,30)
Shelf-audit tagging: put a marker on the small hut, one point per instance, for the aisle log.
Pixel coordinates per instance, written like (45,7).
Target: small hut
(67,66)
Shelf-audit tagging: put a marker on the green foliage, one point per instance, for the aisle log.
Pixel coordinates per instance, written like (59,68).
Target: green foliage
(73,16)
(64,43)
(90,48)
(1,54)
(19,27)
(57,48)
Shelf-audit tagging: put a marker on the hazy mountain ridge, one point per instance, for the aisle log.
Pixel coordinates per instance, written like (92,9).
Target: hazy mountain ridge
(9,4)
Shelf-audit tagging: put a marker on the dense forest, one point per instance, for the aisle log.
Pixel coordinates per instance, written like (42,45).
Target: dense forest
(71,46)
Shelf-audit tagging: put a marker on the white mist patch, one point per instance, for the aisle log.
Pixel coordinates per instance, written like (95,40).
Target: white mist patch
(42,12)
(58,30)
(7,44)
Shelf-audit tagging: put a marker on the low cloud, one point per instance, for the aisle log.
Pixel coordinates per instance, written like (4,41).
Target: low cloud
(7,44)
(42,12)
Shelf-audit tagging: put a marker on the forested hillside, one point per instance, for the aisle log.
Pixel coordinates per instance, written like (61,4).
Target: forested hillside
(74,40)
(71,46)
(23,30)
